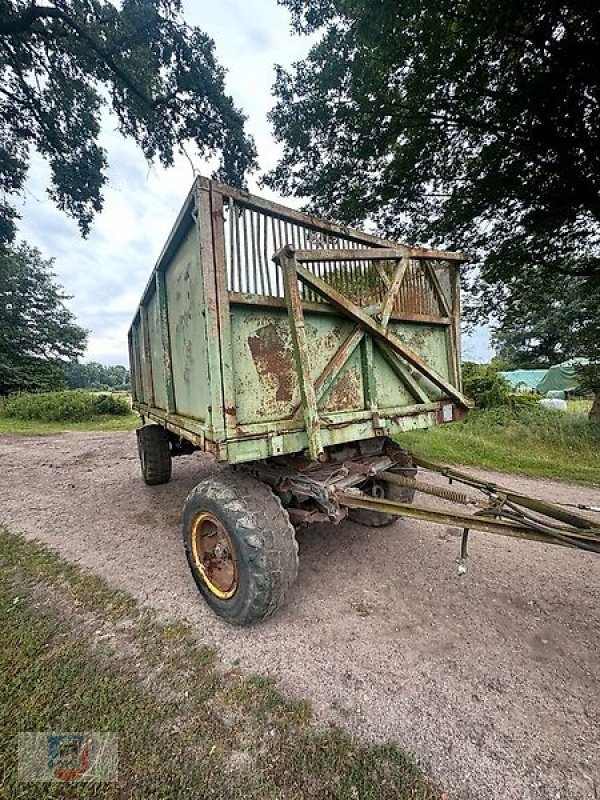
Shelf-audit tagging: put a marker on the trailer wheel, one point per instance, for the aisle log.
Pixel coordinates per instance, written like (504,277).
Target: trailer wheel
(154,448)
(381,490)
(240,545)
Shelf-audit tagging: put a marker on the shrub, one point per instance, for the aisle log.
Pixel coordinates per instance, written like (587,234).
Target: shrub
(111,404)
(485,386)
(66,406)
(525,400)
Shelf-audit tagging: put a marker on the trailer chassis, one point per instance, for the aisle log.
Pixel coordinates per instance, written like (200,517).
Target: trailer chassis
(325,492)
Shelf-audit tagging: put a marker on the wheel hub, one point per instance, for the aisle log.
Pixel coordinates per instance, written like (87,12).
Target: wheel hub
(214,555)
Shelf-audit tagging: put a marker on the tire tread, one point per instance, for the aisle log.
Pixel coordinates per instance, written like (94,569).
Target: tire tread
(270,539)
(155,454)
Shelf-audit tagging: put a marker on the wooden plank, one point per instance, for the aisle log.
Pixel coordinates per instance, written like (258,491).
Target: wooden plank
(377,253)
(244,298)
(147,377)
(382,274)
(298,332)
(392,293)
(454,329)
(220,259)
(210,312)
(133,378)
(348,254)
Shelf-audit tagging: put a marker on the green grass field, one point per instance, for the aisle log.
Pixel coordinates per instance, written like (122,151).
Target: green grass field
(525,441)
(78,655)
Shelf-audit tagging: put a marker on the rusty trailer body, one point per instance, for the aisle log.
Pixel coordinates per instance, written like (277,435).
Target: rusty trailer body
(293,350)
(214,346)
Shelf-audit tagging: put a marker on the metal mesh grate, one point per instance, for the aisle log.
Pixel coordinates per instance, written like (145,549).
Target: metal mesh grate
(253,235)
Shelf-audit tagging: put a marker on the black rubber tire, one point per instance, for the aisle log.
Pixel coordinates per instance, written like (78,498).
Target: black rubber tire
(375,519)
(262,536)
(154,448)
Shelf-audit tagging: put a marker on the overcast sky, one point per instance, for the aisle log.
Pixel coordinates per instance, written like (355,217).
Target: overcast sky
(107,272)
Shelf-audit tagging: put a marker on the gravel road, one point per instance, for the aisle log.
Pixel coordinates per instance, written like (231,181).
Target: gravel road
(491,680)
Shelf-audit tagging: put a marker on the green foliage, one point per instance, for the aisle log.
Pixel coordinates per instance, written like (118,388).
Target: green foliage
(549,319)
(37,330)
(67,406)
(530,400)
(64,61)
(483,384)
(436,134)
(589,376)
(111,404)
(93,375)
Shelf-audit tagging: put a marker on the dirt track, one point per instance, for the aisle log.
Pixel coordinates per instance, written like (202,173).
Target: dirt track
(491,680)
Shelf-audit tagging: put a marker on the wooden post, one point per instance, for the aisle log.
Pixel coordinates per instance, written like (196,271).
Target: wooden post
(288,265)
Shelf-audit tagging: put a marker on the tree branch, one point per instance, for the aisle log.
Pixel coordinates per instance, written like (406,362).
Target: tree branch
(22,23)
(589,271)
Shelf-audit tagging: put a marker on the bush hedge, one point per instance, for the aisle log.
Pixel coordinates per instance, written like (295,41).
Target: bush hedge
(483,384)
(66,406)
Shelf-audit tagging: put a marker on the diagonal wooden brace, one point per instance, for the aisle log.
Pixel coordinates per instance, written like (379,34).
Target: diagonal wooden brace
(390,298)
(326,380)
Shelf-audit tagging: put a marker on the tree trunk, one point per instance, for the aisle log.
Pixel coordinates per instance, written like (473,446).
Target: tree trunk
(594,415)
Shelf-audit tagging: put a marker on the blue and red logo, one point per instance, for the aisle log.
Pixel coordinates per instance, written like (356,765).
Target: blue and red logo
(68,755)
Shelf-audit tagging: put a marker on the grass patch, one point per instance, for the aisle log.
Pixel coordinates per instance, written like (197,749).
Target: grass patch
(78,655)
(582,405)
(99,423)
(528,441)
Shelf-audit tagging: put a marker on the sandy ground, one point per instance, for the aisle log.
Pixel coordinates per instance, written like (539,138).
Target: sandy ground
(491,680)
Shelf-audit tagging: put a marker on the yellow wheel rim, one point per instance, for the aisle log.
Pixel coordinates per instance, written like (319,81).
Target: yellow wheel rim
(214,555)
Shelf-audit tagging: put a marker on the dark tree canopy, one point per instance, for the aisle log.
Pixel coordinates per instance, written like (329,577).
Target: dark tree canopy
(37,331)
(470,124)
(63,61)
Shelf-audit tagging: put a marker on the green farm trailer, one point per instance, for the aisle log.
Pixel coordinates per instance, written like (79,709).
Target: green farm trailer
(296,351)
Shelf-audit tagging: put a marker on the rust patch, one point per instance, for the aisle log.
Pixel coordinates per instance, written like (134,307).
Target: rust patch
(273,357)
(346,395)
